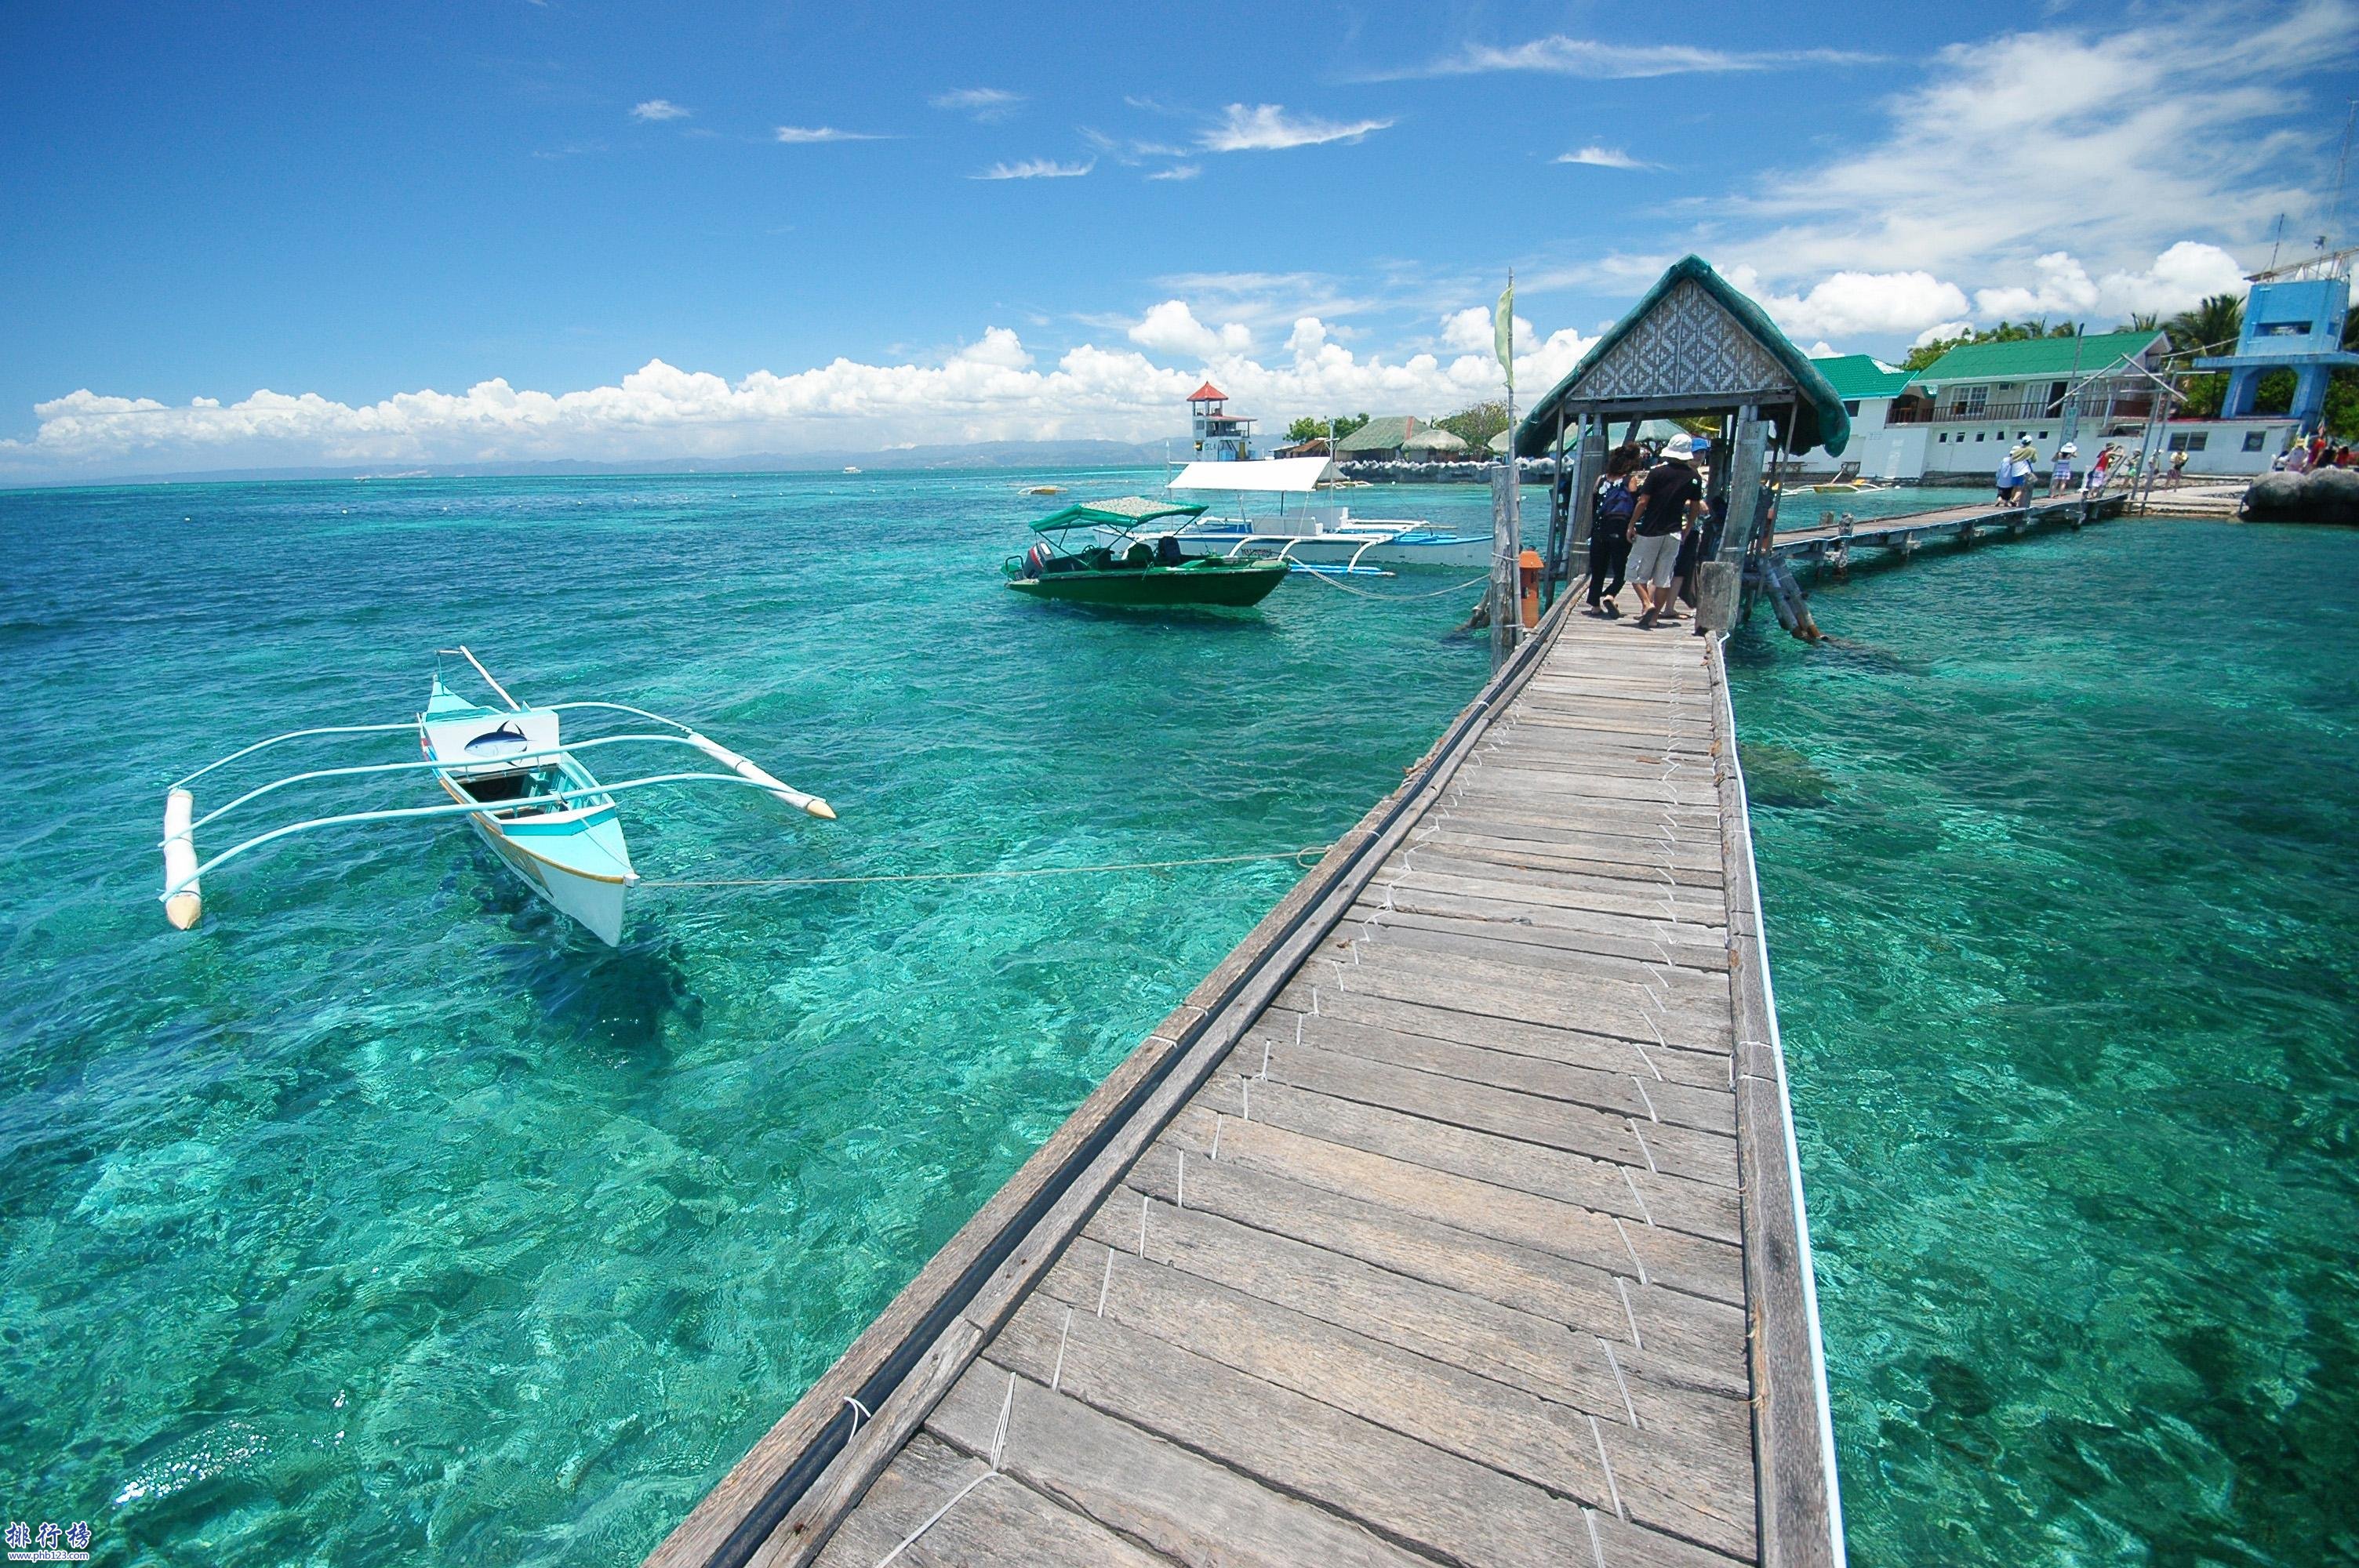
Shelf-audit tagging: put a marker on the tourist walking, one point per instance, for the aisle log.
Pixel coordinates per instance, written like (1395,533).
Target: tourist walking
(2015,475)
(1609,536)
(2060,477)
(2099,472)
(2178,466)
(1666,509)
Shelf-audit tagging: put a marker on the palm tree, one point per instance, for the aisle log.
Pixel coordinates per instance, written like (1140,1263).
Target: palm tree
(2212,328)
(2143,321)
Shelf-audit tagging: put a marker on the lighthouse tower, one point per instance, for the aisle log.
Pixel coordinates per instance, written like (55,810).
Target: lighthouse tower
(1221,436)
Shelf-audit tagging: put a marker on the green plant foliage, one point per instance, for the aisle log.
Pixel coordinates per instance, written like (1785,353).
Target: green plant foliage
(1477,424)
(1312,428)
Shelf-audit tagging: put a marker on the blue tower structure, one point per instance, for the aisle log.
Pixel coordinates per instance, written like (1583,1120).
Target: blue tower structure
(2292,324)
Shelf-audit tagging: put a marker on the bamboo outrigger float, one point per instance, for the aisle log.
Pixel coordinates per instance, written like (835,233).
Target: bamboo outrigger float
(506,770)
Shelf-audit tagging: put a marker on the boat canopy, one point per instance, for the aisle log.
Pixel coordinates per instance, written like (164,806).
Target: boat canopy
(1291,476)
(1123,512)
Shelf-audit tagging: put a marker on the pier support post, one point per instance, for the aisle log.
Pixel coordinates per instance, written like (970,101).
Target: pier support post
(1504,619)
(1908,547)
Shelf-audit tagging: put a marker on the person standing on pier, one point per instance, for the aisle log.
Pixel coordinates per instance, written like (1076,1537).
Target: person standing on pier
(1609,532)
(2178,466)
(2059,478)
(1667,502)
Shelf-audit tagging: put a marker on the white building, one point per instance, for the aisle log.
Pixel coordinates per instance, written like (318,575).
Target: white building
(1955,421)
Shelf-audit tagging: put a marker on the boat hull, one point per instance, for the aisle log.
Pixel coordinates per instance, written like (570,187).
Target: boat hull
(593,900)
(1229,587)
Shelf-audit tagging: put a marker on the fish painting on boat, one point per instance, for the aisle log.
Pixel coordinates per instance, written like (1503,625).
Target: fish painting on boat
(510,773)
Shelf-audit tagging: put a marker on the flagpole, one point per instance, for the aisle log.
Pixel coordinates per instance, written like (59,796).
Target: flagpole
(1507,534)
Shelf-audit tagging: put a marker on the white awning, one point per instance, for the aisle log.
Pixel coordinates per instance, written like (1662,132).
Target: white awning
(1293,475)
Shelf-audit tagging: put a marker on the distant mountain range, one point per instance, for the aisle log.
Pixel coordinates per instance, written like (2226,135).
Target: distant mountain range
(970,455)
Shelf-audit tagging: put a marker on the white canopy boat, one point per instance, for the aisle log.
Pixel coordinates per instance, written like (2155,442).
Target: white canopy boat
(507,771)
(1314,535)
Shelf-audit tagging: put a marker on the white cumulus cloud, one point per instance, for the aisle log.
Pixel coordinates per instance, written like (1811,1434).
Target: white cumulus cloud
(658,109)
(1851,303)
(2179,277)
(992,389)
(1267,127)
(1172,328)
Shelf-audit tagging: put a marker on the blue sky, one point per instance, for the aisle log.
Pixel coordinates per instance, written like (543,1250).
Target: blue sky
(663,230)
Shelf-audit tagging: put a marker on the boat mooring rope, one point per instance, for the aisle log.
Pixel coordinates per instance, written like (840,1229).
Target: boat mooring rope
(1304,857)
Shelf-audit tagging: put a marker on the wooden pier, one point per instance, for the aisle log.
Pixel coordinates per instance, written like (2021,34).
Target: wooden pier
(1454,1218)
(1830,540)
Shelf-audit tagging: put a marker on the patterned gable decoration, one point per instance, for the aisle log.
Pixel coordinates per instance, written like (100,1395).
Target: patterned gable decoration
(1687,345)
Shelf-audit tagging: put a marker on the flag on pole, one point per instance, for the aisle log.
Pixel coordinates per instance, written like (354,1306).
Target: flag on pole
(1503,332)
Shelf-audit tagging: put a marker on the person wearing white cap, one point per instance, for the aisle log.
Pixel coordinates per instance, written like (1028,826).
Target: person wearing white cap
(2059,478)
(1668,504)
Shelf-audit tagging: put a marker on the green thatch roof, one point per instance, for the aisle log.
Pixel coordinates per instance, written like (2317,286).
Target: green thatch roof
(1819,420)
(1379,434)
(1434,438)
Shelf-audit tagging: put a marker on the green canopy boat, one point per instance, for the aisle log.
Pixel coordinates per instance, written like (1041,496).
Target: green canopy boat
(1141,567)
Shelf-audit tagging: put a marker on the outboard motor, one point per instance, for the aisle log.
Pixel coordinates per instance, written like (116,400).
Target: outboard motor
(1036,560)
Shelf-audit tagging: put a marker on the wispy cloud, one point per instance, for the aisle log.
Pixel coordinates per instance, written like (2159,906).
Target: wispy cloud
(660,109)
(985,103)
(1596,156)
(1559,55)
(2185,110)
(1265,127)
(800,135)
(1036,168)
(1178,171)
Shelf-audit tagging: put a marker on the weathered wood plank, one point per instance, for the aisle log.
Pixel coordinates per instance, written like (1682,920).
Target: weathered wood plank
(1675,1062)
(1674,1338)
(1599,1237)
(1406,1491)
(1002,1521)
(1618,1091)
(1151,1491)
(1793,1447)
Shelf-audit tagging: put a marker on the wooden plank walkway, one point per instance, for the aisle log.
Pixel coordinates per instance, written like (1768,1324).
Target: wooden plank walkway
(1825,540)
(1454,1219)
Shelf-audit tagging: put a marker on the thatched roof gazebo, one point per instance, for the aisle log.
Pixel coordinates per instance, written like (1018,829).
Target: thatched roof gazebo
(1694,349)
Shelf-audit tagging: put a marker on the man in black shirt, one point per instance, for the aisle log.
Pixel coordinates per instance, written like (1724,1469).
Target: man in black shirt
(1668,504)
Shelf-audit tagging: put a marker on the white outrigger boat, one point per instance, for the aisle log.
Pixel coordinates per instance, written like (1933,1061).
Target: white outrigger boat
(507,771)
(1310,535)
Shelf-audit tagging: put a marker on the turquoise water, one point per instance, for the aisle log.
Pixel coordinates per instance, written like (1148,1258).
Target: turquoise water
(2058,860)
(389,1217)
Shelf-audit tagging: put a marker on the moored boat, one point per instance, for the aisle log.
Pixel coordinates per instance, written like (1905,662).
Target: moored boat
(1314,535)
(1131,565)
(508,771)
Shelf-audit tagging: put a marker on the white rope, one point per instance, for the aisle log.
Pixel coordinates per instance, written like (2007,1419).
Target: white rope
(860,1413)
(998,1448)
(1295,855)
(1629,1311)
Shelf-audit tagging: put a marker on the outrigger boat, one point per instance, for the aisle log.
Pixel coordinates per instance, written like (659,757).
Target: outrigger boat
(1134,566)
(1311,535)
(507,772)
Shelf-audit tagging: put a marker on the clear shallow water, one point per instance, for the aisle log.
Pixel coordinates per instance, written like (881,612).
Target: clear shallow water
(2058,866)
(389,1217)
